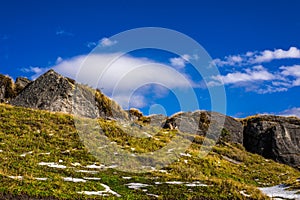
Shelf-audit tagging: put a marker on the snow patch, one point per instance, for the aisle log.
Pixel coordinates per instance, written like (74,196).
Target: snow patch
(279,191)
(87,171)
(52,164)
(41,179)
(24,154)
(101,193)
(126,177)
(136,185)
(92,178)
(16,177)
(75,180)
(152,195)
(185,154)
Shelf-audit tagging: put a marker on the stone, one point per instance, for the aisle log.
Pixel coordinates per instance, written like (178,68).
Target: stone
(54,92)
(21,83)
(7,91)
(210,124)
(274,137)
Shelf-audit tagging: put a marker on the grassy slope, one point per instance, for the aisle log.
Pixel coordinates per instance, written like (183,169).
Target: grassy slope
(39,132)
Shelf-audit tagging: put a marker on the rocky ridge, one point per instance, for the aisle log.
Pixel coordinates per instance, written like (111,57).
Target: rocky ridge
(273,137)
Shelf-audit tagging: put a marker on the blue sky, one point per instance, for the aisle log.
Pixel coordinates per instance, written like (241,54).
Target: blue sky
(254,44)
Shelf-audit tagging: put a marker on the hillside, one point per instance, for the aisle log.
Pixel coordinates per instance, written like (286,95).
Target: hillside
(42,156)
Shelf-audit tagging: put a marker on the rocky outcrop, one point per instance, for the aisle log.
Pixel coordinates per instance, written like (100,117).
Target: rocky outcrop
(53,92)
(218,126)
(7,90)
(274,137)
(21,83)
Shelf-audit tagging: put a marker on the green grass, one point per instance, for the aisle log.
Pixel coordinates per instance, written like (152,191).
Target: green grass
(52,137)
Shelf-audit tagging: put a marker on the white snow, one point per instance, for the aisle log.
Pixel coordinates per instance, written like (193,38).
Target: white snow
(1,150)
(16,177)
(92,178)
(185,154)
(52,164)
(196,184)
(136,185)
(244,194)
(153,195)
(24,154)
(75,180)
(279,191)
(87,171)
(76,164)
(48,153)
(147,134)
(94,166)
(163,171)
(112,166)
(126,177)
(175,182)
(101,193)
(41,179)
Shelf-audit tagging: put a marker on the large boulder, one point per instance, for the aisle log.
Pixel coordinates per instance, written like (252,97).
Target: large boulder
(54,92)
(211,124)
(21,83)
(7,90)
(274,137)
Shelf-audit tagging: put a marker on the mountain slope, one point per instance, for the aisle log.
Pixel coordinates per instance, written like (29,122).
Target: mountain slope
(42,156)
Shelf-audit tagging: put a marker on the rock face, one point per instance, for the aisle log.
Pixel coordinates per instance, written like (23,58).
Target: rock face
(202,122)
(7,90)
(274,137)
(53,92)
(21,83)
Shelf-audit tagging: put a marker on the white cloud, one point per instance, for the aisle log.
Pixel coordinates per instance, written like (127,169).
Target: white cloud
(91,44)
(180,62)
(291,112)
(293,71)
(267,55)
(106,42)
(35,70)
(229,60)
(121,76)
(58,60)
(61,32)
(257,73)
(255,57)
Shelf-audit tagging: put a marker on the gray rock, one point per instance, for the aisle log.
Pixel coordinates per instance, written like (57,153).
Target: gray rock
(158,120)
(274,137)
(21,83)
(53,92)
(7,91)
(211,124)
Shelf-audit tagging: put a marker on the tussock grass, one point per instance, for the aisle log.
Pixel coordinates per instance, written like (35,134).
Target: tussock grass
(52,137)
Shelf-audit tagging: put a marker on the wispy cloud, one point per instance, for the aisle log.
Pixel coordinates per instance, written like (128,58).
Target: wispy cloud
(268,55)
(124,79)
(247,71)
(257,73)
(91,44)
(36,71)
(61,32)
(295,111)
(292,71)
(106,42)
(256,57)
(180,62)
